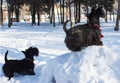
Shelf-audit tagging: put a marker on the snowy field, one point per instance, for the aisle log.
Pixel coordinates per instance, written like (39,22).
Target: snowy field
(55,63)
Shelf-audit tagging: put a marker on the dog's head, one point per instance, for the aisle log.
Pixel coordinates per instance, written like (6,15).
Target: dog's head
(31,52)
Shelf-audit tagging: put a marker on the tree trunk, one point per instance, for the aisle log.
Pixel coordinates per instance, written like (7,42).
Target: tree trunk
(118,18)
(70,13)
(50,14)
(38,17)
(9,17)
(75,11)
(53,13)
(63,11)
(106,19)
(67,10)
(17,12)
(33,15)
(110,16)
(1,13)
(86,4)
(79,12)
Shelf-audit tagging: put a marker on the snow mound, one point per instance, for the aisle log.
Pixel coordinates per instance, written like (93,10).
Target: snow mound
(94,64)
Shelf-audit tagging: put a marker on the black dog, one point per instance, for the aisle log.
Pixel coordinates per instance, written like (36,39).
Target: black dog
(31,52)
(23,67)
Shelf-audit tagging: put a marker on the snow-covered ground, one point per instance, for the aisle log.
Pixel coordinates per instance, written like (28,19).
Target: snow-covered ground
(55,63)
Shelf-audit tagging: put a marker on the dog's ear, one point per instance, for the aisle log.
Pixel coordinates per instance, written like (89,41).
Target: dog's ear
(23,52)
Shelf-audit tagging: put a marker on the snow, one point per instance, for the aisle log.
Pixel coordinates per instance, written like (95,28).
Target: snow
(55,63)
(84,67)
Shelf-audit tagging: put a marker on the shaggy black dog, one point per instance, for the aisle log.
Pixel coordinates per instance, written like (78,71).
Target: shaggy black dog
(31,52)
(24,67)
(81,36)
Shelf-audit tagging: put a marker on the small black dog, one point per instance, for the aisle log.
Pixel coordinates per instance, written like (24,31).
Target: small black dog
(31,52)
(23,67)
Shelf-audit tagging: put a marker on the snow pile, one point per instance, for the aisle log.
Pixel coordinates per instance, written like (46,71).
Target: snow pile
(94,64)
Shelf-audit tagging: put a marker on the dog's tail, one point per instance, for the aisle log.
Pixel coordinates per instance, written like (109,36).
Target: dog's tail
(64,26)
(6,56)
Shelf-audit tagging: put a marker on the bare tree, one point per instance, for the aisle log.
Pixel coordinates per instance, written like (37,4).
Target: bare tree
(53,12)
(67,9)
(61,14)
(118,17)
(10,9)
(1,13)
(63,10)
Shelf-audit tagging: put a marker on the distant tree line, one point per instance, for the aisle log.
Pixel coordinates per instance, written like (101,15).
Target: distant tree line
(48,6)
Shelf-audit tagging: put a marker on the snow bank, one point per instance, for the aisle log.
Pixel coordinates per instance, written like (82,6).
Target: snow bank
(94,64)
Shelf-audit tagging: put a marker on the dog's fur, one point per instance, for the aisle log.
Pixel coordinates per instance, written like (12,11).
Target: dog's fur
(24,67)
(31,52)
(81,36)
